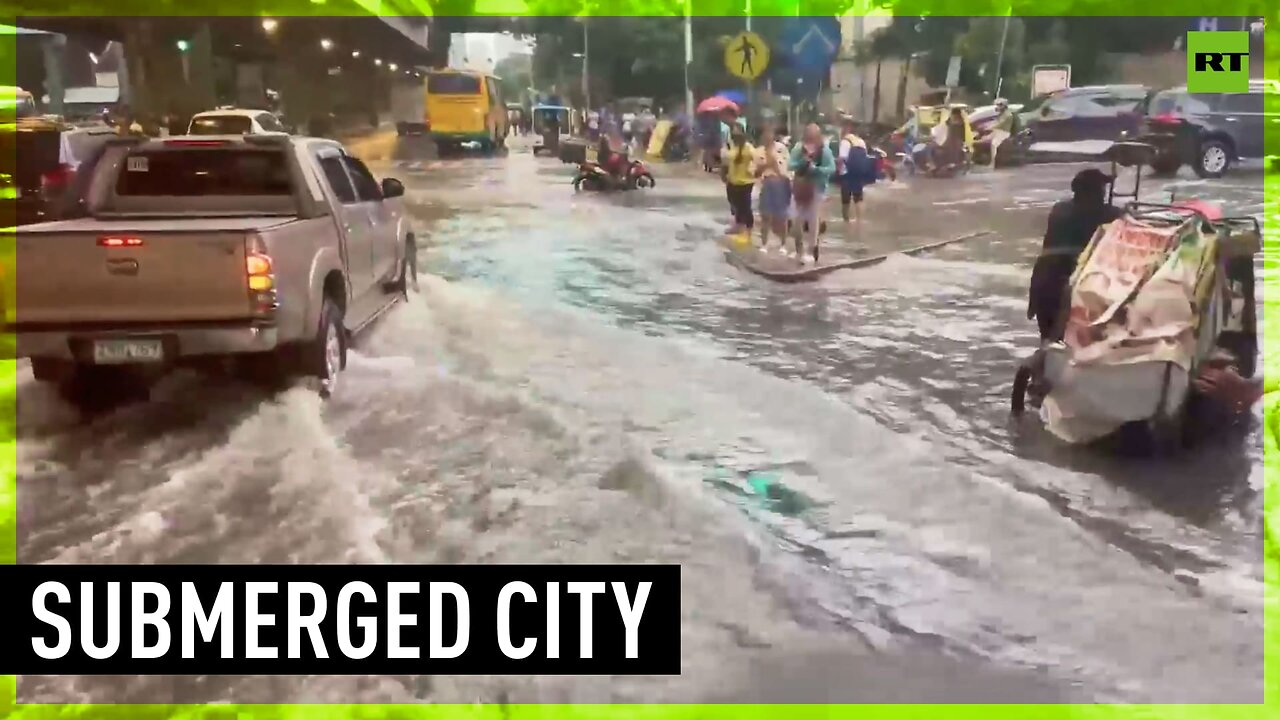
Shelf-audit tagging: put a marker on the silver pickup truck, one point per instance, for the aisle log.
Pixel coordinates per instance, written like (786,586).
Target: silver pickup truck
(270,251)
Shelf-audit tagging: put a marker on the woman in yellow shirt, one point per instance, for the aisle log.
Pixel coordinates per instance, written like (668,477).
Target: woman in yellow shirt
(739,172)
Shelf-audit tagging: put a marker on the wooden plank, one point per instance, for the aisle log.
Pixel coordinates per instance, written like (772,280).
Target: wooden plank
(782,269)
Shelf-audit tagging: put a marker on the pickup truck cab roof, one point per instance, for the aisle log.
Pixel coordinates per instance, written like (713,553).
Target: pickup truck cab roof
(296,189)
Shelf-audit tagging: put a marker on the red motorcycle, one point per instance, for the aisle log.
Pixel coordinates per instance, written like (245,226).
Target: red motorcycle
(638,175)
(592,176)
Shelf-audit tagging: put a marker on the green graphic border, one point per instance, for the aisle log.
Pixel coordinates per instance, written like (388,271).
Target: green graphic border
(10,9)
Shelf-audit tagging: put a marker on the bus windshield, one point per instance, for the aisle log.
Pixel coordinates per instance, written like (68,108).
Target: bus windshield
(453,84)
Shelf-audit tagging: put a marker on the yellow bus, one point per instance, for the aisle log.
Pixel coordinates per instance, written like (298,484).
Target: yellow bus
(465,106)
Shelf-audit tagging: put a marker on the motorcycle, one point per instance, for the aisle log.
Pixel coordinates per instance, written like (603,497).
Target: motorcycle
(591,176)
(639,177)
(951,170)
(921,160)
(1006,155)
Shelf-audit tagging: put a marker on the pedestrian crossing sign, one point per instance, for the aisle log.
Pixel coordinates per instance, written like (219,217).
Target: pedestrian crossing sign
(746,56)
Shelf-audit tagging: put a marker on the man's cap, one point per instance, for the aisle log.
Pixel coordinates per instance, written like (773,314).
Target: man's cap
(1091,179)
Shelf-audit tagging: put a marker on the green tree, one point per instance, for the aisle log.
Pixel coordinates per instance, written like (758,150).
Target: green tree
(979,49)
(516,76)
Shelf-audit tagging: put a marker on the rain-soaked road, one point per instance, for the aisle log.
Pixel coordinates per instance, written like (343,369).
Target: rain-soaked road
(585,379)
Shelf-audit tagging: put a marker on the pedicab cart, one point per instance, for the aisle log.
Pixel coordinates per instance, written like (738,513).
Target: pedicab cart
(1158,294)
(544,118)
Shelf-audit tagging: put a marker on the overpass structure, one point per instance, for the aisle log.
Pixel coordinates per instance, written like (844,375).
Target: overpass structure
(316,65)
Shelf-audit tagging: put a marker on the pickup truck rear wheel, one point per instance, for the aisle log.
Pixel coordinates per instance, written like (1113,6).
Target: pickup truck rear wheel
(325,357)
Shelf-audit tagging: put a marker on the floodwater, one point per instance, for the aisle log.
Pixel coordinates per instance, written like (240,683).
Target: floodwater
(585,379)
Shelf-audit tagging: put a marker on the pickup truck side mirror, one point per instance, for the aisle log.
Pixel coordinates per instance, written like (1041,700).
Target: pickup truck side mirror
(392,188)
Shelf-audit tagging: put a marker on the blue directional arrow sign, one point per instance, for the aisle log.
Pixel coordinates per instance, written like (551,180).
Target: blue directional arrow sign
(812,43)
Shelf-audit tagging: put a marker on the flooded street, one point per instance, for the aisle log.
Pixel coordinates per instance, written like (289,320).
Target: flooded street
(584,378)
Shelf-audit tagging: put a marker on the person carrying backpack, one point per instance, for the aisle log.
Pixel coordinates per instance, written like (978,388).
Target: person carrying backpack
(855,169)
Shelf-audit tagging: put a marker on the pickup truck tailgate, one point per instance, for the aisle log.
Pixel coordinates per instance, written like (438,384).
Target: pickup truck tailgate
(134,273)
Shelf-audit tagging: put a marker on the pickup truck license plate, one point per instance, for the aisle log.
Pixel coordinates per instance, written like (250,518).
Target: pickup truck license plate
(116,352)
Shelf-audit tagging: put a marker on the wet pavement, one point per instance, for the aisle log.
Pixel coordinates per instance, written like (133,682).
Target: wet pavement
(583,378)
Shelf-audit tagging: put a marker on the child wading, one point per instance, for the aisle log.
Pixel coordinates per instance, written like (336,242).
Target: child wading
(813,165)
(775,188)
(740,180)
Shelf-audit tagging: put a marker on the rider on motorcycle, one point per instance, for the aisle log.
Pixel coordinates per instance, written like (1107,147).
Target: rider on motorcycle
(614,162)
(1002,128)
(952,141)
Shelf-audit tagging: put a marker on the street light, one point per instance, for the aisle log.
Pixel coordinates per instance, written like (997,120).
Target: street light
(183,47)
(355,53)
(270,25)
(377,61)
(326,44)
(393,67)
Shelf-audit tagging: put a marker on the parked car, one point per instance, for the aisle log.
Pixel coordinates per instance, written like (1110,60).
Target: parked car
(263,252)
(235,121)
(1211,132)
(44,156)
(1097,114)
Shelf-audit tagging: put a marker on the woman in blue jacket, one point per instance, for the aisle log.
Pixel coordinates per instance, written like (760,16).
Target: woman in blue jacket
(812,164)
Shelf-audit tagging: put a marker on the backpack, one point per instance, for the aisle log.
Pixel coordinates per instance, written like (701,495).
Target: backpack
(859,166)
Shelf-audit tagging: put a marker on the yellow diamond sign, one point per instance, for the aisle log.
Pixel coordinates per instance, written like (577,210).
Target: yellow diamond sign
(746,56)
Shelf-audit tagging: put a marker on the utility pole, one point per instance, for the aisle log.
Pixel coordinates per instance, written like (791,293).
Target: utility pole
(586,55)
(751,84)
(1004,36)
(688,56)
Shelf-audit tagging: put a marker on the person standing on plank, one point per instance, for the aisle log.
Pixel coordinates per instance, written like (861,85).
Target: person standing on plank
(813,165)
(738,171)
(775,188)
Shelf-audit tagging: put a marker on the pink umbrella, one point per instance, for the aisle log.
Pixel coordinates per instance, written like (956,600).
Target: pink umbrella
(717,104)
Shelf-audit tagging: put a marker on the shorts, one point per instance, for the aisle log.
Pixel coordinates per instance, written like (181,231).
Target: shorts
(848,193)
(775,197)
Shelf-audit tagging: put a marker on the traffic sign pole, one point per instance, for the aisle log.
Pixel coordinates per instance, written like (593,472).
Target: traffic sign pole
(688,56)
(751,84)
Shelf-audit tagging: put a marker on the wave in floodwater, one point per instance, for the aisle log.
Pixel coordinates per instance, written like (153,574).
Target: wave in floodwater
(436,451)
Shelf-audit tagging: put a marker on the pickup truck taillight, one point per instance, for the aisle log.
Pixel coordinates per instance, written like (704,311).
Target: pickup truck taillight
(119,241)
(260,274)
(56,179)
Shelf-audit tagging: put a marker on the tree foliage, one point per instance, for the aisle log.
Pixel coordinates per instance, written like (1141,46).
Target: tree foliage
(1086,43)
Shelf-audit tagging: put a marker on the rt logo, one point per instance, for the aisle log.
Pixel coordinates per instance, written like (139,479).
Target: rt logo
(1218,62)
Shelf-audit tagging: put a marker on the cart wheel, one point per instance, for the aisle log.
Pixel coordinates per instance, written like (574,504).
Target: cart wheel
(1021,380)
